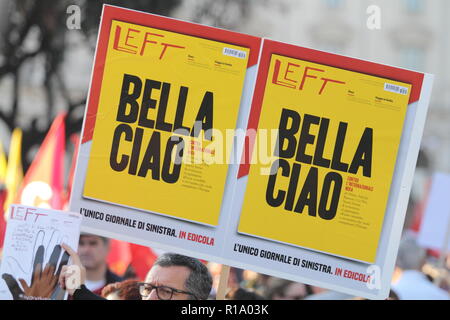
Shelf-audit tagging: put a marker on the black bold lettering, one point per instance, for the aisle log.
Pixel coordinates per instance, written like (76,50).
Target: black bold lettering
(308,195)
(336,163)
(181,106)
(151,160)
(123,163)
(205,117)
(270,198)
(285,133)
(319,160)
(161,124)
(330,213)
(127,98)
(136,151)
(167,176)
(293,181)
(363,154)
(306,138)
(148,103)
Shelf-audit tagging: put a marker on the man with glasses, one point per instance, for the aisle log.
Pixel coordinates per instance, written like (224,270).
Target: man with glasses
(176,277)
(172,277)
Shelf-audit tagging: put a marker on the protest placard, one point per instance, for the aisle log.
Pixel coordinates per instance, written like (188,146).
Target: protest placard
(339,132)
(324,204)
(33,241)
(152,168)
(436,219)
(328,208)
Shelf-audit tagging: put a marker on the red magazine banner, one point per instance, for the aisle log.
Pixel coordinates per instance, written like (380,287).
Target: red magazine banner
(111,13)
(271,47)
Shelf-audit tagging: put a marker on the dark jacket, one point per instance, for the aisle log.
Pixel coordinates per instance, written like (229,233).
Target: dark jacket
(84,293)
(110,277)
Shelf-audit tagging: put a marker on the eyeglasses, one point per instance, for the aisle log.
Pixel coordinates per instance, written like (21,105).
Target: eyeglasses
(163,292)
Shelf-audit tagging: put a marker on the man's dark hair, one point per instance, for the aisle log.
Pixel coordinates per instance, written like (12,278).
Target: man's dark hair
(243,294)
(199,282)
(104,239)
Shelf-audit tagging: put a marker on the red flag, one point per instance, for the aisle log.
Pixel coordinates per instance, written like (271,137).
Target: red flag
(142,259)
(75,139)
(123,254)
(43,185)
(119,256)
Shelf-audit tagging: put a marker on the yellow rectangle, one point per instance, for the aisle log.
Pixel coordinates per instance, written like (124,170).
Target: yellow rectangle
(157,72)
(330,190)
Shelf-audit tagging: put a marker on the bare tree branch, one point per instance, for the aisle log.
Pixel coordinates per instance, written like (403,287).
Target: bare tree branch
(48,18)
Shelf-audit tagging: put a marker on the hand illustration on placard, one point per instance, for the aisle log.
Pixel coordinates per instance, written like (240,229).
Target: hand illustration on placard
(43,281)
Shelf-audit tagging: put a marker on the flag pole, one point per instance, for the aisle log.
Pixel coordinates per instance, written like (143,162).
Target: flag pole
(223,282)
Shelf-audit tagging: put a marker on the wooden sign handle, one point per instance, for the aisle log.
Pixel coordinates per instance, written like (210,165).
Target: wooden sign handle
(223,282)
(443,256)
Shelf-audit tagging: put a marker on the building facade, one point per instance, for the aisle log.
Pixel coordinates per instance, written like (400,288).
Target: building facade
(413,34)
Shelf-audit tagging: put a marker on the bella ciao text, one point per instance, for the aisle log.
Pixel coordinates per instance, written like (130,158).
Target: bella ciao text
(323,202)
(134,106)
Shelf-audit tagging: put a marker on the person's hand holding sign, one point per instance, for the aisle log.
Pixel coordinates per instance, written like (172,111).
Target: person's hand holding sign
(43,282)
(73,276)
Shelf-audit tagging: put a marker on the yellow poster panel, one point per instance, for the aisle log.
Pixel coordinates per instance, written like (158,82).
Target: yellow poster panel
(330,173)
(146,151)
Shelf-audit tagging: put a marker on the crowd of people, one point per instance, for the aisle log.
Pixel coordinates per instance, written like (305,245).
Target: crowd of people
(175,276)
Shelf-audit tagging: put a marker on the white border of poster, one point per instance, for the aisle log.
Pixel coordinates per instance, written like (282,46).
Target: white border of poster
(225,234)
(199,236)
(356,281)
